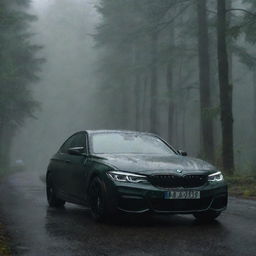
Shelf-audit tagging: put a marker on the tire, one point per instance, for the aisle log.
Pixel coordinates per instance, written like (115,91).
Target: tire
(52,199)
(97,200)
(206,216)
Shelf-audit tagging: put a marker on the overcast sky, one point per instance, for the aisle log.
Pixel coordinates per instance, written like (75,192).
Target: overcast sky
(40,4)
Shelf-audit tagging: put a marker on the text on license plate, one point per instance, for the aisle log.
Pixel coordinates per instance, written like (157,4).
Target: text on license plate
(182,194)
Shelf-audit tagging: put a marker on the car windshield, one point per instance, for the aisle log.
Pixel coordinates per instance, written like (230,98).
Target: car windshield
(128,143)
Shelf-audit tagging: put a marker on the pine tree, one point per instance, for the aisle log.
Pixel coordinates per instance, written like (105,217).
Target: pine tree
(19,65)
(204,77)
(225,90)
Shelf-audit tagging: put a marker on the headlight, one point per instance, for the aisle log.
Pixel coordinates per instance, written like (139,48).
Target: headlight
(217,176)
(127,177)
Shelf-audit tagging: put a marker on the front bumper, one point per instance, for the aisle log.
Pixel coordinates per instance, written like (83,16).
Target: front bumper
(138,198)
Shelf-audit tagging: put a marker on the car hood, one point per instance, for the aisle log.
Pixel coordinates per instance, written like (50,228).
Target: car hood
(153,164)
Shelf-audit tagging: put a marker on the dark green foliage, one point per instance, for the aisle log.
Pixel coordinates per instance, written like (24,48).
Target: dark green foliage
(246,58)
(19,65)
(152,46)
(234,31)
(242,28)
(249,21)
(128,66)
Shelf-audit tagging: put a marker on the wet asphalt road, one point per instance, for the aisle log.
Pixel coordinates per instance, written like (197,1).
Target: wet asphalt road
(39,231)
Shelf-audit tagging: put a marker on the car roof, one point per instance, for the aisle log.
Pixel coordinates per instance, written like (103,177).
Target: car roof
(90,132)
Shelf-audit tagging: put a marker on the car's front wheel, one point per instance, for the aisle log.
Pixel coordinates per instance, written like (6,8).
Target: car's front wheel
(52,199)
(97,200)
(206,216)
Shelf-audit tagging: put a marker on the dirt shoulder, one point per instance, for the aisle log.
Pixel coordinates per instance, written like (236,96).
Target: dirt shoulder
(242,186)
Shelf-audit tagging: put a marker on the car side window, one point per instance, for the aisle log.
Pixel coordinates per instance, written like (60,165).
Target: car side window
(79,141)
(67,144)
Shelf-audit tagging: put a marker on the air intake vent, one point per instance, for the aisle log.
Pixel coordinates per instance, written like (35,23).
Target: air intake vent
(175,181)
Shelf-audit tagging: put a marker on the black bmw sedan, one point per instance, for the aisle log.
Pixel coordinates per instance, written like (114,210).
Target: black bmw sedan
(112,171)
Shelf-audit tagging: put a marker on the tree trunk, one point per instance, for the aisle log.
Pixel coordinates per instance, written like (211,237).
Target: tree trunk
(229,49)
(254,105)
(204,75)
(169,81)
(180,108)
(137,102)
(153,74)
(225,91)
(144,103)
(1,142)
(137,89)
(8,134)
(254,93)
(124,120)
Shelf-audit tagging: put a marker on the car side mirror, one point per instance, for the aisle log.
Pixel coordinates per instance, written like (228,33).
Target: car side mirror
(182,153)
(76,151)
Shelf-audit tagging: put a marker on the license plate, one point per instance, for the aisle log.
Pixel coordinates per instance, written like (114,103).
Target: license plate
(182,194)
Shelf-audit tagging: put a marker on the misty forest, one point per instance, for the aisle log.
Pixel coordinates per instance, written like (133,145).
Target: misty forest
(184,69)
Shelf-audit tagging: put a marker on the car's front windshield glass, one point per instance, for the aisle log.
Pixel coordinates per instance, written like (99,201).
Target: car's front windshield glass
(128,143)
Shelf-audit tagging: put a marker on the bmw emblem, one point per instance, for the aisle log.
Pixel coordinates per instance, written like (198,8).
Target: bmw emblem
(179,171)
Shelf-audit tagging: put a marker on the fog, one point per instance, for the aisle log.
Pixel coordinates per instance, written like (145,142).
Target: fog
(67,90)
(74,95)
(184,70)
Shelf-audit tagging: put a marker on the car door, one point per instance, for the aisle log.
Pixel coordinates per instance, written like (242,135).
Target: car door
(76,172)
(60,165)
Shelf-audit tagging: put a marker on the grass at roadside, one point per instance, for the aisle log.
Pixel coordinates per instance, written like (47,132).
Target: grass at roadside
(4,172)
(242,186)
(4,240)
